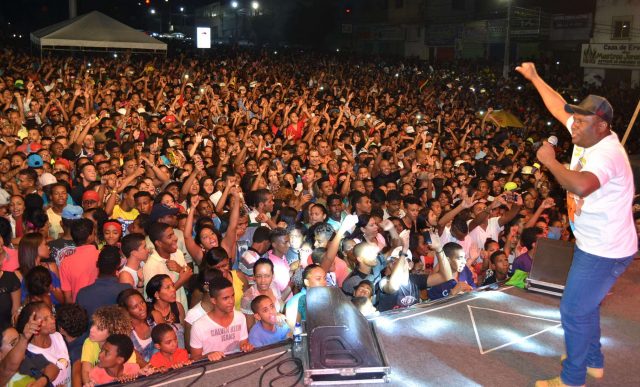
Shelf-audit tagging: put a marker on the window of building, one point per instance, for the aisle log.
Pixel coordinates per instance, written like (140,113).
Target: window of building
(622,27)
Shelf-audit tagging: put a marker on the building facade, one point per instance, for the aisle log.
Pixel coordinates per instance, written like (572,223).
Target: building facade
(613,53)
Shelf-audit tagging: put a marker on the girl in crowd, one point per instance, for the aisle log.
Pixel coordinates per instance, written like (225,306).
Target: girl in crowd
(164,308)
(31,251)
(141,322)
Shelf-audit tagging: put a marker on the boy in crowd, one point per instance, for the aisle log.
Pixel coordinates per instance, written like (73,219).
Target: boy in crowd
(528,240)
(80,268)
(266,330)
(169,355)
(106,321)
(134,249)
(112,361)
(500,267)
(296,308)
(223,330)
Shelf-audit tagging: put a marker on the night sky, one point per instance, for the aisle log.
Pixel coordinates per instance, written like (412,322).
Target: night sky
(26,16)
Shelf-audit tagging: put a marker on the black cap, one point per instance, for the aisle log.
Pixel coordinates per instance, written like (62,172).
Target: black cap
(593,105)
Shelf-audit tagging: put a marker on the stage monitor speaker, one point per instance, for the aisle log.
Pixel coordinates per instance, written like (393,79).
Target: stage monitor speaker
(342,344)
(550,266)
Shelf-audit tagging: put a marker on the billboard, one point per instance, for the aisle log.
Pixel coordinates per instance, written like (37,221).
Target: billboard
(611,55)
(203,37)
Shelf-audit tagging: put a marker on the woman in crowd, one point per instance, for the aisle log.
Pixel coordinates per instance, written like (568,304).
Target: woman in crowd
(164,309)
(141,322)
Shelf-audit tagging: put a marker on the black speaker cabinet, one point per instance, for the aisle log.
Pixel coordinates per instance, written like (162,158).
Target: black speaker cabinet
(550,266)
(342,344)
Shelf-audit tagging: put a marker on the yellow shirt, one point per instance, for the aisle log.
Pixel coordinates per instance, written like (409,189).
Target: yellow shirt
(91,350)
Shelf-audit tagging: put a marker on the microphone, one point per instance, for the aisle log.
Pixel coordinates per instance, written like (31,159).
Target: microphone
(553,140)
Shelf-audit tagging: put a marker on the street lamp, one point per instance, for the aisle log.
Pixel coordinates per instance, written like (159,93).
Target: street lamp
(234,4)
(181,9)
(153,11)
(505,67)
(255,5)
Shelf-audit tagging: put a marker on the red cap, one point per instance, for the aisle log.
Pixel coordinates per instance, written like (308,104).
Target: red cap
(90,195)
(169,118)
(64,162)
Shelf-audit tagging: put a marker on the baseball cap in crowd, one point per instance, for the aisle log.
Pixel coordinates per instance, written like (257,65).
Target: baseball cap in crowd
(90,196)
(46,178)
(247,260)
(510,186)
(34,161)
(458,163)
(64,163)
(593,105)
(19,84)
(72,212)
(168,119)
(160,210)
(526,170)
(4,197)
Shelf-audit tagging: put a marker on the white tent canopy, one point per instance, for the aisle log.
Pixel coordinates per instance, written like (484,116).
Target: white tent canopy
(94,30)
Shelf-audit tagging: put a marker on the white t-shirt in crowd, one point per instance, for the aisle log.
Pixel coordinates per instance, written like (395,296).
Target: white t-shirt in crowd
(194,314)
(447,237)
(479,236)
(212,337)
(158,265)
(58,355)
(603,221)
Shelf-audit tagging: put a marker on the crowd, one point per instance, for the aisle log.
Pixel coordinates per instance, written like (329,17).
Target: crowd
(159,211)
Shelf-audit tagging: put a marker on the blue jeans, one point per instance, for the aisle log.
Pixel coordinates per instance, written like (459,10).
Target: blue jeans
(589,281)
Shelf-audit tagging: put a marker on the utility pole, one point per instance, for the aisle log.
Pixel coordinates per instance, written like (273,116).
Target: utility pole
(505,67)
(73,8)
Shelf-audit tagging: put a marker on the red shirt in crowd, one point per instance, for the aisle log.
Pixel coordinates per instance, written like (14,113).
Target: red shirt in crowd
(79,269)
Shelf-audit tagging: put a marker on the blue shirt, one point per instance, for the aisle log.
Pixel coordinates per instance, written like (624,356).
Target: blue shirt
(260,337)
(102,292)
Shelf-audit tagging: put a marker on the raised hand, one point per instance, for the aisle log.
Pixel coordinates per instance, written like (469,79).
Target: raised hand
(528,70)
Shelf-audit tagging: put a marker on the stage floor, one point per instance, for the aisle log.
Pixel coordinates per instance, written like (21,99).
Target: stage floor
(505,337)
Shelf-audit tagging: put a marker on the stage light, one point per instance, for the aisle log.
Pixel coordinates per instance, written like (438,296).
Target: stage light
(321,87)
(548,123)
(575,100)
(397,75)
(519,87)
(275,52)
(337,50)
(481,112)
(152,11)
(558,62)
(115,55)
(89,64)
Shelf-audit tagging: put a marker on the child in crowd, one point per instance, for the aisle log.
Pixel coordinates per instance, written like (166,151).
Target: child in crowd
(135,250)
(112,361)
(267,330)
(169,355)
(106,321)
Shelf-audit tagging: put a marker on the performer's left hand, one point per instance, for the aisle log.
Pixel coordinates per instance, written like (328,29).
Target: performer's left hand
(546,153)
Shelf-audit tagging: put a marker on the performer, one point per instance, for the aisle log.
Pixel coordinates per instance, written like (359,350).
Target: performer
(600,192)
